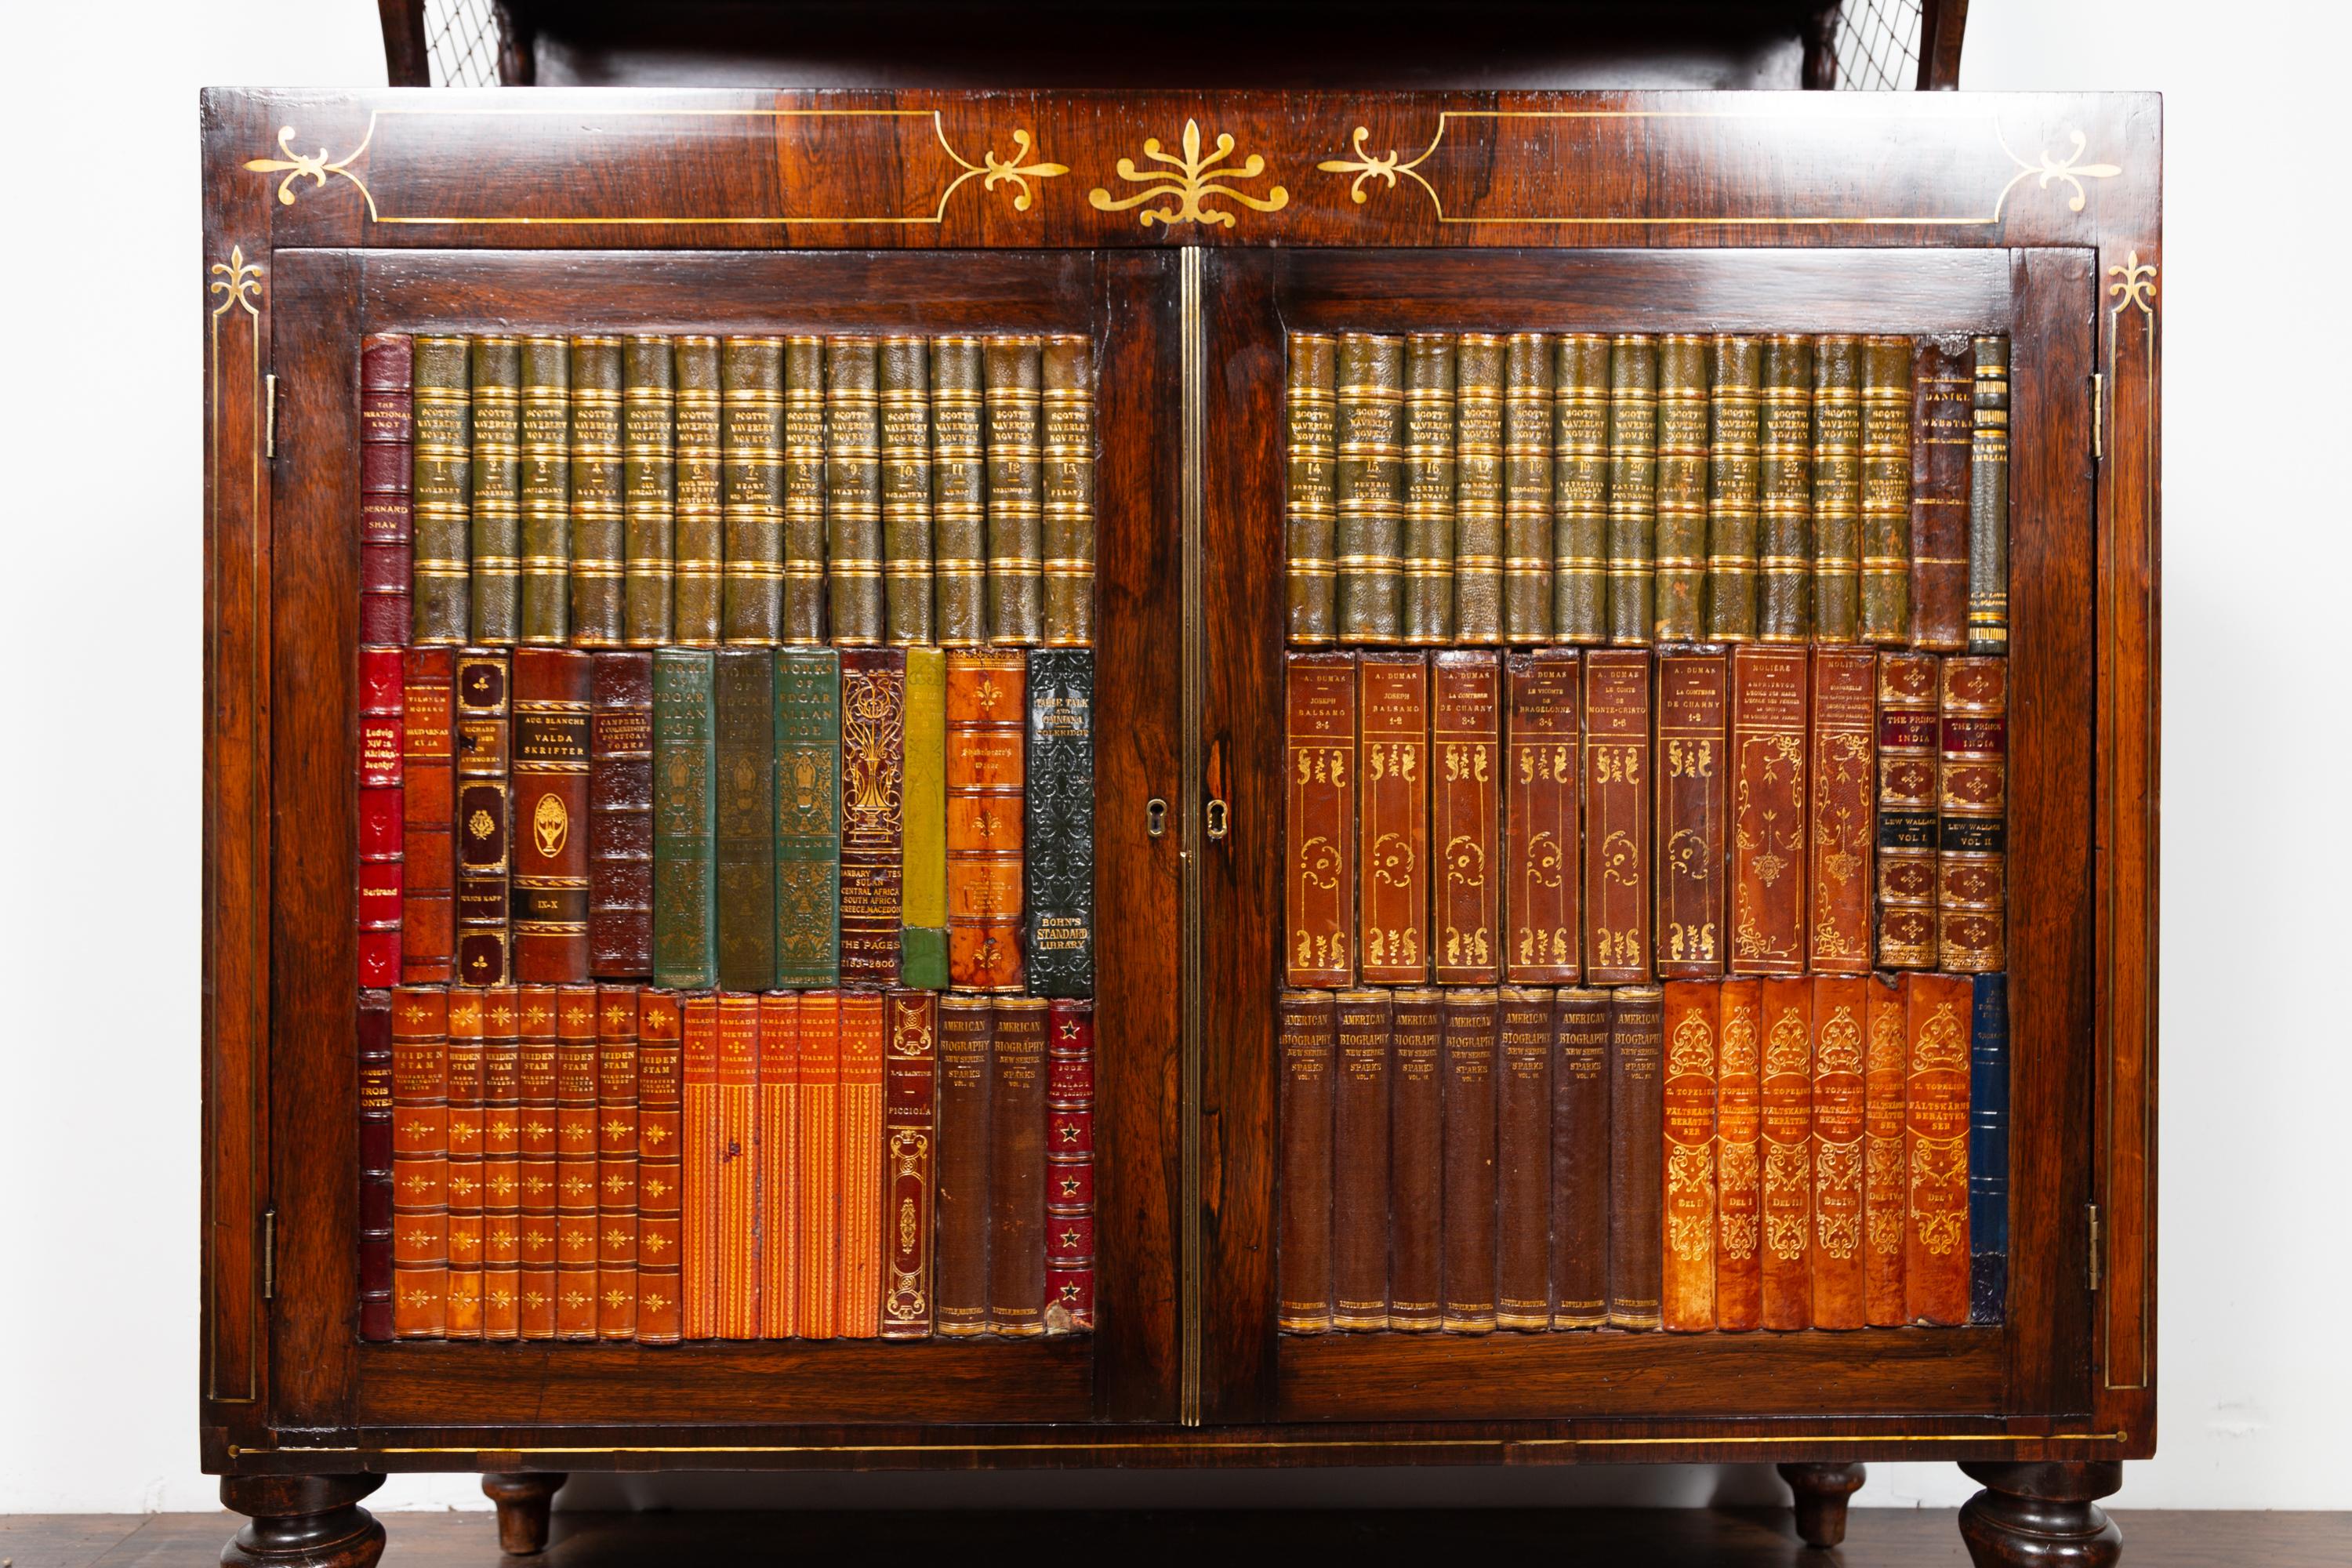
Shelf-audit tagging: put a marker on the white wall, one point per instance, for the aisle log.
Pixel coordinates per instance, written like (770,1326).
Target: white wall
(99,1072)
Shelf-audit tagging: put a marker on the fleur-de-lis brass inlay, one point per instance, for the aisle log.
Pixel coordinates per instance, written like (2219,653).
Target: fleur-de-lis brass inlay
(236,281)
(2134,285)
(1196,178)
(300,165)
(2070,169)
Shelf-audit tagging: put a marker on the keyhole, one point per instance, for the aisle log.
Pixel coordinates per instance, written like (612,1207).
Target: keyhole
(1155,816)
(1218,823)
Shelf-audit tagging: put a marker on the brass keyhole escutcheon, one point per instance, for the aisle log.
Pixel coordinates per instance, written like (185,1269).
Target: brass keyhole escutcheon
(1155,816)
(1219,822)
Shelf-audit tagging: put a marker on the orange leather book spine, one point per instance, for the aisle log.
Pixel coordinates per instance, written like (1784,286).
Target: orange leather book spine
(1416,1261)
(619,1148)
(465,1178)
(859,1248)
(1768,811)
(910,1141)
(699,1197)
(816,1145)
(737,1147)
(1692,768)
(660,1145)
(1466,815)
(1392,837)
(1686,1298)
(420,1161)
(967,1026)
(1882,1194)
(1738,1156)
(986,708)
(1843,829)
(1320,801)
(428,804)
(1542,880)
(1936,1150)
(1016,1168)
(1972,808)
(501,1165)
(778,1240)
(1787,1148)
(575,1163)
(1617,817)
(536,1158)
(1840,1050)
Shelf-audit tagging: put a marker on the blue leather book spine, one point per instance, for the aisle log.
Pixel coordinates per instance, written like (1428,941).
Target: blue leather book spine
(1989,1149)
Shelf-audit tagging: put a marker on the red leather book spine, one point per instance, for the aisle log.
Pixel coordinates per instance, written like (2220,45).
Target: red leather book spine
(873,811)
(910,1143)
(1580,1159)
(1471,1021)
(536,1159)
(1465,771)
(1393,840)
(986,709)
(1692,767)
(1523,1294)
(1768,811)
(1943,416)
(1359,1181)
(465,1318)
(1787,1147)
(428,804)
(858,1230)
(1907,687)
(660,1150)
(375,1067)
(780,1153)
(1687,1296)
(967,1028)
(1840,1050)
(1617,817)
(575,1163)
(1884,1195)
(736,1156)
(699,1193)
(1416,1259)
(1935,1148)
(1308,1026)
(483,822)
(1739,1157)
(1016,1168)
(621,816)
(501,1166)
(551,713)
(817,1169)
(386,371)
(1972,805)
(1844,829)
(380,807)
(1319,800)
(618,1150)
(1636,1154)
(1543,741)
(420,1161)
(1069,1167)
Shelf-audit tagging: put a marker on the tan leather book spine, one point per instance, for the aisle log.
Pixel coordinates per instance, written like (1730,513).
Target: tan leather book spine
(1943,382)
(1428,564)
(698,1074)
(1526,488)
(859,1229)
(1885,615)
(1617,881)
(1543,739)
(1768,688)
(1016,1168)
(1636,1156)
(1784,470)
(539,1161)
(465,1180)
(1682,374)
(967,1027)
(815,1269)
(1523,1051)
(575,1163)
(420,1161)
(904,375)
(1738,1156)
(1307,1023)
(1360,1177)
(959,494)
(1392,838)
(781,1155)
(1884,1072)
(803,493)
(1633,487)
(986,705)
(701,507)
(1320,811)
(660,1150)
(1734,487)
(1787,1148)
(501,1166)
(1468,1091)
(1936,1150)
(1580,483)
(1416,1211)
(1837,488)
(1466,812)
(1908,688)
(854,549)
(735,1145)
(1369,535)
(1843,831)
(1068,418)
(911,1144)
(1692,766)
(619,1148)
(1972,812)
(1013,369)
(599,516)
(1580,1159)
(1310,421)
(1687,1194)
(1841,1045)
(1478,489)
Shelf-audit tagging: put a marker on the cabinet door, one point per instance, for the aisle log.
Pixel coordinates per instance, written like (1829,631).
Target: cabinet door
(2037,1360)
(322,1378)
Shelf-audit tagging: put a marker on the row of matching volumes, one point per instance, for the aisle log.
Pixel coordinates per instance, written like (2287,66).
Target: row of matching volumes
(1584,488)
(1557,817)
(608,491)
(615,1162)
(748,819)
(1725,1154)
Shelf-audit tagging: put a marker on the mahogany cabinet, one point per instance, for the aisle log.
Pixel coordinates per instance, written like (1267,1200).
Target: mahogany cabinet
(1187,234)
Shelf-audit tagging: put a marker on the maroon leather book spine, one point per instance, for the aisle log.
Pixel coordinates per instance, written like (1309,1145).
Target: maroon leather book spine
(1636,1154)
(910,1130)
(428,804)
(1768,811)
(1320,805)
(375,1164)
(501,1165)
(1580,1159)
(551,699)
(1617,817)
(1844,827)
(535,1160)
(420,1161)
(1840,1106)
(1688,1194)
(1309,1022)
(1884,1189)
(1468,1077)
(483,822)
(1786,1101)
(1360,1176)
(1523,1050)
(1692,768)
(1069,1166)
(1466,815)
(1416,1259)
(386,369)
(967,1027)
(618,1154)
(465,1183)
(1543,737)
(1392,838)
(621,816)
(661,1152)
(382,805)
(1016,1168)
(1739,1157)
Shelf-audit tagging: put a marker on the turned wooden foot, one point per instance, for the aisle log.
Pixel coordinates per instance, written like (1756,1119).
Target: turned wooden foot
(522,1502)
(302,1521)
(2043,1516)
(1823,1491)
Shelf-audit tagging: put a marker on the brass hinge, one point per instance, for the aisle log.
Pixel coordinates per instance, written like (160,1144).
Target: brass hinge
(269,416)
(2094,1209)
(270,1255)
(2098,416)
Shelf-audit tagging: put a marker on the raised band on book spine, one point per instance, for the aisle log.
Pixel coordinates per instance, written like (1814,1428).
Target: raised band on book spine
(1908,688)
(751,447)
(1069,1166)
(440,492)
(387,465)
(803,494)
(1687,1196)
(1633,487)
(552,714)
(1477,490)
(1526,488)
(853,490)
(648,490)
(1885,616)
(1942,418)
(1307,1023)
(686,917)
(903,366)
(496,496)
(1692,766)
(1579,477)
(375,1192)
(420,1161)
(599,520)
(1069,490)
(701,531)
(1310,421)
(1016,1168)
(1360,1177)
(1735,488)
(1840,1126)
(1416,1259)
(1842,834)
(1059,823)
(544,614)
(1370,483)
(1988,502)
(1468,1158)
(1837,488)
(484,828)
(1428,562)
(967,1031)
(959,494)
(1013,375)
(1784,477)
(1972,806)
(909,1174)
(1683,370)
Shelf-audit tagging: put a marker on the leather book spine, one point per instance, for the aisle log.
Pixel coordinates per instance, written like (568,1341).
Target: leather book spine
(1633,487)
(1739,1157)
(1843,831)
(1636,1156)
(544,493)
(381,804)
(497,489)
(1837,488)
(736,1183)
(1392,842)
(1416,1212)
(536,1159)
(858,1230)
(1988,500)
(985,760)
(599,518)
(685,918)
(1909,687)
(1526,488)
(440,483)
(1885,613)
(1943,383)
(660,1169)
(752,493)
(1686,1195)
(1466,809)
(621,815)
(1311,422)
(903,376)
(1428,535)
(1734,433)
(501,1166)
(1579,1158)
(699,1173)
(1016,1168)
(816,1235)
(1787,1122)
(1784,473)
(1069,486)
(743,816)
(1013,375)
(1692,765)
(1972,808)
(967,1027)
(1308,1039)
(1989,1149)
(923,836)
(1936,1242)
(1477,490)
(1468,1155)
(700,490)
(387,461)
(1058,825)
(420,1161)
(911,1136)
(1543,741)
(1069,1166)
(576,1172)
(803,494)
(959,494)
(554,712)
(1840,1108)
(1523,1115)
(375,1134)
(1579,479)
(1359,1174)
(649,491)
(1370,481)
(873,782)
(619,1151)
(1768,689)
(808,817)
(852,492)
(1682,374)
(484,827)
(780,1153)
(1318,876)
(1883,1195)
(1617,897)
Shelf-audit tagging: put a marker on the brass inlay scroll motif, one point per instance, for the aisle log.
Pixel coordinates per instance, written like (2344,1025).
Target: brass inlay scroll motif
(1368,164)
(1012,170)
(1196,178)
(2071,169)
(299,165)
(237,280)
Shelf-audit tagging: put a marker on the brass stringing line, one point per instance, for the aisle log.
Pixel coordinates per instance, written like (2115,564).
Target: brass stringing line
(1194,378)
(1748,1440)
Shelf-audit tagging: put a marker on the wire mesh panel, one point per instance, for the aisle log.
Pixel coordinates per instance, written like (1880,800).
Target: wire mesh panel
(461,39)
(1877,46)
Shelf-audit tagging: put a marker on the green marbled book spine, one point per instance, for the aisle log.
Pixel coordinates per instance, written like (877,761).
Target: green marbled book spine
(903,374)
(853,490)
(1734,424)
(1837,488)
(598,558)
(808,819)
(1784,477)
(649,490)
(497,489)
(803,492)
(958,495)
(1012,383)
(1580,486)
(1680,606)
(545,615)
(1526,488)
(752,416)
(743,816)
(701,536)
(440,608)
(1886,490)
(1633,487)
(1428,488)
(1478,489)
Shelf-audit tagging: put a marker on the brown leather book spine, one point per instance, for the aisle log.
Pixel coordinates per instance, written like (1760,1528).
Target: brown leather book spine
(986,708)
(1523,1052)
(1787,1147)
(1392,837)
(428,806)
(1311,422)
(1526,488)
(781,1154)
(1320,801)
(1936,1150)
(873,811)
(1884,1195)
(1885,490)
(1543,738)
(858,1230)
(536,1159)
(1943,381)
(1908,685)
(1617,879)
(1768,811)
(1416,1212)
(1016,1168)
(387,367)
(1309,1042)
(1467,811)
(465,1166)
(1359,1172)
(501,1166)
(1840,1044)
(1467,1158)
(660,1150)
(621,816)
(552,691)
(375,1063)
(1636,1156)
(967,1028)
(1738,1156)
(1687,1194)
(576,1172)
(1069,1166)
(619,1149)
(1972,810)
(420,1161)
(1684,371)
(1580,1159)
(1478,489)
(599,525)
(1692,767)
(1844,830)
(484,825)
(736,1151)
(380,805)
(910,1133)
(698,1176)
(817,1169)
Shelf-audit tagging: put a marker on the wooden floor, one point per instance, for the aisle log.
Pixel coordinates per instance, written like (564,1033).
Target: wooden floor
(1657,1538)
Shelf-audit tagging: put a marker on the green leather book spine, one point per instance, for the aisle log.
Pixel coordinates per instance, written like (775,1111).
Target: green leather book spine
(702,538)
(1526,488)
(1633,486)
(1682,486)
(1784,477)
(1734,427)
(1067,399)
(1478,489)
(1988,502)
(923,854)
(649,490)
(598,560)
(808,819)
(852,492)
(1886,609)
(1309,417)
(903,371)
(686,937)
(803,493)
(1837,488)
(1012,387)
(544,618)
(751,488)
(1059,823)
(1428,565)
(743,816)
(1370,481)
(958,495)
(496,491)
(1579,487)
(442,454)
